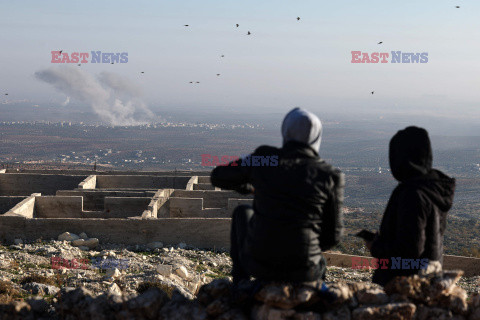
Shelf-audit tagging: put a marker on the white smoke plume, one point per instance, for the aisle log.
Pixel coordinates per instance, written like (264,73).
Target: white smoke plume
(115,100)
(67,101)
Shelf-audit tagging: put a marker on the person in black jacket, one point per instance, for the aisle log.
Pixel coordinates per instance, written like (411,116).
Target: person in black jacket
(415,219)
(297,207)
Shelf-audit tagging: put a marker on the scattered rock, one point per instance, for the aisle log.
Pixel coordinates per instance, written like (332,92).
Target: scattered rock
(164,269)
(182,272)
(387,311)
(83,236)
(18,241)
(67,236)
(113,273)
(372,296)
(114,289)
(40,288)
(90,243)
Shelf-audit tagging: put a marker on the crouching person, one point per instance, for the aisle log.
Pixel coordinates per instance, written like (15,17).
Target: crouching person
(414,222)
(297,207)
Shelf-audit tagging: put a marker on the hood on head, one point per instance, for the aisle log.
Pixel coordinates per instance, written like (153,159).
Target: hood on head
(410,153)
(438,187)
(302,126)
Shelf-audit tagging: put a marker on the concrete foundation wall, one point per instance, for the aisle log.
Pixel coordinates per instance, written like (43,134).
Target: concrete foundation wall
(193,180)
(118,172)
(201,233)
(89,183)
(25,209)
(58,207)
(24,184)
(141,182)
(185,207)
(93,200)
(211,198)
(204,186)
(158,201)
(7,203)
(117,207)
(204,179)
(192,207)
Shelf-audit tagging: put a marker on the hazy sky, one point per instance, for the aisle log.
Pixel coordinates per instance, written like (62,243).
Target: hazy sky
(283,63)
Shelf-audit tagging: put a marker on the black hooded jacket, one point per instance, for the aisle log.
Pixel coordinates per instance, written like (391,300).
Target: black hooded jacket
(298,211)
(414,221)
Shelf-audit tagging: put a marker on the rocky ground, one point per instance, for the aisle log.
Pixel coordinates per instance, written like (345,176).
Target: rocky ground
(26,269)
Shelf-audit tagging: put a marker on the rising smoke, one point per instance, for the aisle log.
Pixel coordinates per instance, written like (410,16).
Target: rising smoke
(114,99)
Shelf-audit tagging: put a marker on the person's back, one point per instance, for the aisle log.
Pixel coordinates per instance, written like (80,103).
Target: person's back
(414,221)
(297,207)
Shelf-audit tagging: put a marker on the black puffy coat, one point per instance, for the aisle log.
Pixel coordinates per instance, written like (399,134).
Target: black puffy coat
(414,221)
(298,211)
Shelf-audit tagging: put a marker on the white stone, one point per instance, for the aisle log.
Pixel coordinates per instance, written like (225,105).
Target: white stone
(83,235)
(164,269)
(155,245)
(182,272)
(91,243)
(78,242)
(18,241)
(114,289)
(67,236)
(108,253)
(113,273)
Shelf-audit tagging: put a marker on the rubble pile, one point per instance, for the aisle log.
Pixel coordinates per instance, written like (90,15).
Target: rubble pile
(434,296)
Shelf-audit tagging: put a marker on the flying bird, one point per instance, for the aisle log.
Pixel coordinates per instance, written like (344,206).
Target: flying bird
(380,42)
(298,18)
(191,81)
(60,51)
(186,25)
(198,82)
(457,7)
(79,64)
(222,56)
(6,94)
(112,63)
(237,25)
(142,72)
(218,74)
(248,33)
(373,92)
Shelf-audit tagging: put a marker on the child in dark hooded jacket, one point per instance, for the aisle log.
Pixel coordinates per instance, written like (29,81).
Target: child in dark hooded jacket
(414,221)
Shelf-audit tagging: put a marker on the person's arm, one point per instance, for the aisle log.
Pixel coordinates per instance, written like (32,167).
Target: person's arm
(233,176)
(332,221)
(409,241)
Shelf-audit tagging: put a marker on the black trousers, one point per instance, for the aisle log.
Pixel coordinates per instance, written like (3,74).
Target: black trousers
(240,219)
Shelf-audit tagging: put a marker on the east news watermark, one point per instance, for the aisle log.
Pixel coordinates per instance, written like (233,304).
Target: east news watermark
(396,263)
(89,57)
(246,161)
(389,57)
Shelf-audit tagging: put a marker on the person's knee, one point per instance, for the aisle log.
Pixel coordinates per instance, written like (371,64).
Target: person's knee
(243,212)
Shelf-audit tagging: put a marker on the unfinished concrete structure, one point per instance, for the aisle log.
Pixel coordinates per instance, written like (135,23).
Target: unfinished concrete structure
(131,208)
(116,207)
